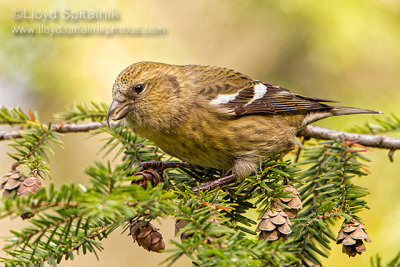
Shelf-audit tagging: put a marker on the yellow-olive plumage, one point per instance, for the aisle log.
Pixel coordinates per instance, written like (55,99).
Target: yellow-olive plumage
(214,117)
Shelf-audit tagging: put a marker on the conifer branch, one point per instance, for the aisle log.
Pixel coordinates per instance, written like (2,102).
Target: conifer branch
(369,140)
(311,131)
(60,128)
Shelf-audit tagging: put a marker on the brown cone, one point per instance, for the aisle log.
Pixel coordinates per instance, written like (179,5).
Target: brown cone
(351,236)
(11,182)
(148,176)
(274,225)
(30,186)
(293,202)
(147,236)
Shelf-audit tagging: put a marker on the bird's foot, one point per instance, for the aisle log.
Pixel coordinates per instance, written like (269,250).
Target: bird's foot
(150,171)
(148,176)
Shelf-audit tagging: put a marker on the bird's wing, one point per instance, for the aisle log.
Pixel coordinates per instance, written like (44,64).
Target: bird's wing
(236,94)
(261,97)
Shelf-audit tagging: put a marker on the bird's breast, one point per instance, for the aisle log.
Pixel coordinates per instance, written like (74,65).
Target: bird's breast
(217,142)
(187,144)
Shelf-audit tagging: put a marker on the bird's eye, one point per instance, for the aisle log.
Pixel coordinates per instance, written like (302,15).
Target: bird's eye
(138,88)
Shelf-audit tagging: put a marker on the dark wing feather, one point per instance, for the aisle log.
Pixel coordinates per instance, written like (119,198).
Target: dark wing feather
(275,100)
(317,99)
(234,93)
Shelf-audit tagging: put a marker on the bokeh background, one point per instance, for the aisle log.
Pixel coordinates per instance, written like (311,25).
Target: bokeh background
(343,50)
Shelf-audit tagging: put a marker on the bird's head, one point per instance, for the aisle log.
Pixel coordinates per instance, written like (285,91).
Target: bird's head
(144,91)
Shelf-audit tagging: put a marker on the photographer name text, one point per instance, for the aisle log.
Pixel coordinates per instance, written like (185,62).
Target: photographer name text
(66,14)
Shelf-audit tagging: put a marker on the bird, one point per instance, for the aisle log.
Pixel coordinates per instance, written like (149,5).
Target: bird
(214,117)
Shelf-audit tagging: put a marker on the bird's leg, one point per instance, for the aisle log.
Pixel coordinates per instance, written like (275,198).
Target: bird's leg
(214,183)
(160,166)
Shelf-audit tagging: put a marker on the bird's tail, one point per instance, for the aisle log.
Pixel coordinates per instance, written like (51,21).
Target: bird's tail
(337,111)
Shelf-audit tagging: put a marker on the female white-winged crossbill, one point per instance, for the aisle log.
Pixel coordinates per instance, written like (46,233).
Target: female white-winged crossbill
(212,116)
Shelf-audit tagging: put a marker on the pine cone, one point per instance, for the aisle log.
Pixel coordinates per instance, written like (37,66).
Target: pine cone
(30,186)
(293,202)
(148,176)
(351,236)
(11,182)
(179,224)
(147,236)
(274,224)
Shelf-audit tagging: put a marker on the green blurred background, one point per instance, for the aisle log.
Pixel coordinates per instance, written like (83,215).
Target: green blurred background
(343,50)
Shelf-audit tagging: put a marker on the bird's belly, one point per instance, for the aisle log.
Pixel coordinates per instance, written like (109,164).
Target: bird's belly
(218,144)
(197,153)
(190,148)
